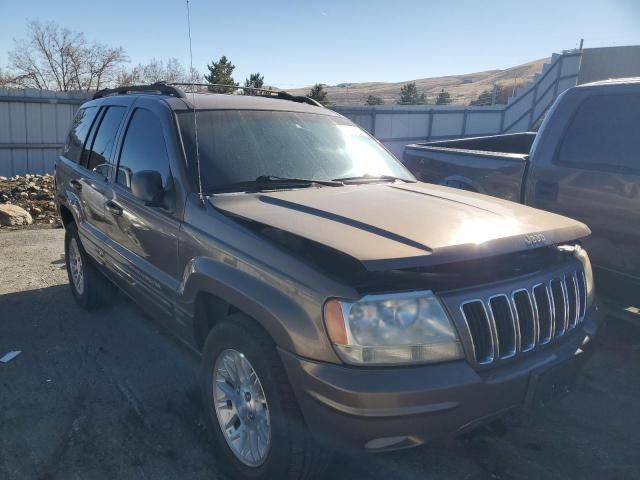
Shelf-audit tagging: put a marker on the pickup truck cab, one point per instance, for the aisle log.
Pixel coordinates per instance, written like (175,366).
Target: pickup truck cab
(583,163)
(338,303)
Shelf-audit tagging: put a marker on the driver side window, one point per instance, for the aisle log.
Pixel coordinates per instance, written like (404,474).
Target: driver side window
(144,148)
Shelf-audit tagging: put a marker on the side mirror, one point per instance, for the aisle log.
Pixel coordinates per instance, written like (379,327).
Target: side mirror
(146,185)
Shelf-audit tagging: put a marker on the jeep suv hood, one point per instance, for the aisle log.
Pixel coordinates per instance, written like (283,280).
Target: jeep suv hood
(388,226)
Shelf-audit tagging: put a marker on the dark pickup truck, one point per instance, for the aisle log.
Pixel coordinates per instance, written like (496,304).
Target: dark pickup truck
(583,163)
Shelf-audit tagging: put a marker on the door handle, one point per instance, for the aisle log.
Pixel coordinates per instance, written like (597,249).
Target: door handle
(113,208)
(75,184)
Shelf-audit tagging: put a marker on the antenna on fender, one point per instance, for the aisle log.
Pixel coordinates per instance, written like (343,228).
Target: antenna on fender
(195,115)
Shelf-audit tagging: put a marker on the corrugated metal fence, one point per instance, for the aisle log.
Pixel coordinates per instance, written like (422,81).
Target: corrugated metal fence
(33,127)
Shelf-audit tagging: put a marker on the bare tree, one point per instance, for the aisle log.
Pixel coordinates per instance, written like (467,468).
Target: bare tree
(55,58)
(157,71)
(6,80)
(126,78)
(194,76)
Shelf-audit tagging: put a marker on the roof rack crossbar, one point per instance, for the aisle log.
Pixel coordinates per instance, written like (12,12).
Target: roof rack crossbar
(160,88)
(269,93)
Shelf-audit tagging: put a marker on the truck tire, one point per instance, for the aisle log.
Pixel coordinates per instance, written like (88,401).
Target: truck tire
(265,435)
(90,288)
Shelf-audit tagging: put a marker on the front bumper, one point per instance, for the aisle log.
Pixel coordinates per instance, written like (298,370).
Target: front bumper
(399,407)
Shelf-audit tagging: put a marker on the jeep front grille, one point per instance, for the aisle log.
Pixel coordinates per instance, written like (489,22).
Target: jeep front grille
(509,323)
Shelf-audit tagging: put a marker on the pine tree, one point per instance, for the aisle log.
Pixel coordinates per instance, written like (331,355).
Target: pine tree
(498,95)
(409,95)
(443,98)
(318,93)
(255,80)
(220,73)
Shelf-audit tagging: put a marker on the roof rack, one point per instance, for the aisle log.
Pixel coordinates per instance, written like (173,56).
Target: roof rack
(280,94)
(299,98)
(159,88)
(170,89)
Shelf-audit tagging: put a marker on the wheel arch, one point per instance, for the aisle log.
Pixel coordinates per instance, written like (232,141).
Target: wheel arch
(212,290)
(209,309)
(66,216)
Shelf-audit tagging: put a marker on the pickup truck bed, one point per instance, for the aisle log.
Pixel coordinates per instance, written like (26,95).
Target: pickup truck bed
(495,165)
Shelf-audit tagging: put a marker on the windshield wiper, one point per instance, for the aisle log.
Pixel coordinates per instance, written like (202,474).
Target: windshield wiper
(372,178)
(266,182)
(270,179)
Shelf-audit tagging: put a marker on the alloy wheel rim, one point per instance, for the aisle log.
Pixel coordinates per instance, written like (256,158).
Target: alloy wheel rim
(241,408)
(76,266)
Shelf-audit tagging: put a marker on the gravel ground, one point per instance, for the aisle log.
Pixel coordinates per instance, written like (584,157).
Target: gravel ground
(110,395)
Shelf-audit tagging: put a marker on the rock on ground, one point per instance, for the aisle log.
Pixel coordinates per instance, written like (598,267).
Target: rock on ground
(33,193)
(13,215)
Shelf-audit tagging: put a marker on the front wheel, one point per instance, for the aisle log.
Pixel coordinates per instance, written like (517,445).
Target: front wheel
(258,430)
(89,287)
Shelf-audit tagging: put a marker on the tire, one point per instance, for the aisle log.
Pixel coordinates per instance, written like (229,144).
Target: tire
(292,452)
(94,289)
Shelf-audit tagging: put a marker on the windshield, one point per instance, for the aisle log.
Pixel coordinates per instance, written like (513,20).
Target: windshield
(242,145)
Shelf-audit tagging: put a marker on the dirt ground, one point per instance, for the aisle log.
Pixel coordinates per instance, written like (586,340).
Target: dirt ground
(110,395)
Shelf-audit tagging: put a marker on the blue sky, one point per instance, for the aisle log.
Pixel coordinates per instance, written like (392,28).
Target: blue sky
(301,43)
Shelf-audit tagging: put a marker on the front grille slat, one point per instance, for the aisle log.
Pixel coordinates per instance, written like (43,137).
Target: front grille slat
(545,312)
(504,322)
(582,293)
(559,297)
(573,300)
(505,325)
(480,328)
(526,314)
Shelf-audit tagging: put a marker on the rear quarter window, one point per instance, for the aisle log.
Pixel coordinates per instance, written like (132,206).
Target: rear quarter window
(604,134)
(99,152)
(78,133)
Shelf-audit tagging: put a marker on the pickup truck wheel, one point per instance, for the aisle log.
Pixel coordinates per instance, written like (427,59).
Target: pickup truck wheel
(257,428)
(89,287)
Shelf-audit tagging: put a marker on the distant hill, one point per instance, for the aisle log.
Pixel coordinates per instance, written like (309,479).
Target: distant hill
(462,88)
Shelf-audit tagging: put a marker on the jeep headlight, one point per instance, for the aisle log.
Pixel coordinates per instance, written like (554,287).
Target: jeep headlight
(405,328)
(588,272)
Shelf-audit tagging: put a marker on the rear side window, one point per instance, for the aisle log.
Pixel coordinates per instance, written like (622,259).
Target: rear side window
(604,134)
(78,133)
(99,152)
(143,148)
